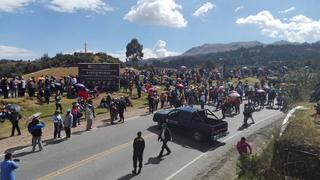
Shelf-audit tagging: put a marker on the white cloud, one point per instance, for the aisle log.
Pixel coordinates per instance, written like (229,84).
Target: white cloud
(12,52)
(158,51)
(297,29)
(239,8)
(13,5)
(204,9)
(157,12)
(287,10)
(71,6)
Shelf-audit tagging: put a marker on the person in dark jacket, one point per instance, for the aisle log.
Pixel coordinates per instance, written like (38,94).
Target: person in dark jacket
(138,148)
(35,129)
(14,118)
(247,113)
(164,136)
(67,123)
(121,106)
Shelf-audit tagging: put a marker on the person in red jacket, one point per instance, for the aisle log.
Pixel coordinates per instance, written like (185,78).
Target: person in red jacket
(243,146)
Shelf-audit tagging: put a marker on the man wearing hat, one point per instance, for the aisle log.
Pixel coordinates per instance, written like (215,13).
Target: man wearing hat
(67,123)
(57,122)
(35,129)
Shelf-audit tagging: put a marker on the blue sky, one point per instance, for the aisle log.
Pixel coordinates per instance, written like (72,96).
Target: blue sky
(30,28)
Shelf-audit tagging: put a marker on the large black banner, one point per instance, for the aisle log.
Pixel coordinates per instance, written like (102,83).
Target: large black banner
(105,76)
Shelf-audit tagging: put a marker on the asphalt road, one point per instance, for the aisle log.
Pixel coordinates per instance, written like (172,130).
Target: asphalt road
(106,152)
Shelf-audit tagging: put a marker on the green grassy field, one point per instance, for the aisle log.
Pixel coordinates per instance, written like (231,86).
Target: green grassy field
(30,107)
(302,127)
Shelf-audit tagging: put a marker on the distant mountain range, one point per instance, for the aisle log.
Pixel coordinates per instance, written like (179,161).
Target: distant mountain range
(219,47)
(225,47)
(243,53)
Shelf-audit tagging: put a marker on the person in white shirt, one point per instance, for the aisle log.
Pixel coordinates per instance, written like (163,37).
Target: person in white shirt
(57,122)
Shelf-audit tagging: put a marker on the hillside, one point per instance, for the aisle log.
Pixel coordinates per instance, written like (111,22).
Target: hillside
(11,67)
(268,55)
(220,47)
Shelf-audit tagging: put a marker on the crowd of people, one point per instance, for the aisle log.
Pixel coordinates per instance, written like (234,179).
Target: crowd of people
(183,87)
(189,87)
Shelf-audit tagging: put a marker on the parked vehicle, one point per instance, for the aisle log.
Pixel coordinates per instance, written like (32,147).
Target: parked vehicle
(202,124)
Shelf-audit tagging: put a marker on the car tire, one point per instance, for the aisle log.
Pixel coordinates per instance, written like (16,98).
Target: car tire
(196,135)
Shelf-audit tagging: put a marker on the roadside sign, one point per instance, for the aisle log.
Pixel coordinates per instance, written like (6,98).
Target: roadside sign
(102,75)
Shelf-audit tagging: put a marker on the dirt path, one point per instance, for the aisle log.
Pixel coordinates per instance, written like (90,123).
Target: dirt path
(226,167)
(19,142)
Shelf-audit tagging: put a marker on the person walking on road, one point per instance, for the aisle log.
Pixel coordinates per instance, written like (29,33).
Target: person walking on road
(67,123)
(57,124)
(8,167)
(247,113)
(89,116)
(164,136)
(138,148)
(35,129)
(14,118)
(243,146)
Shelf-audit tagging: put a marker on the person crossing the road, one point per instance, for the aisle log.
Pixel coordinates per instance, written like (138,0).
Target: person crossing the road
(138,147)
(165,136)
(247,113)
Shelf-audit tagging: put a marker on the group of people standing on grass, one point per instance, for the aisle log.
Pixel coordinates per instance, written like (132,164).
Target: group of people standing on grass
(116,107)
(72,119)
(42,88)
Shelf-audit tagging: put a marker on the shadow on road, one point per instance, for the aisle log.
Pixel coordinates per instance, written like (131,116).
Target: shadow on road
(12,150)
(184,139)
(53,142)
(154,160)
(243,127)
(127,177)
(21,154)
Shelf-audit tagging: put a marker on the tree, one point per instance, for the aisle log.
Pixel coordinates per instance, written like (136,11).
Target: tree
(134,51)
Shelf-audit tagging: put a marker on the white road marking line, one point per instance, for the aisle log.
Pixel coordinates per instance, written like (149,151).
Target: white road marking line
(203,154)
